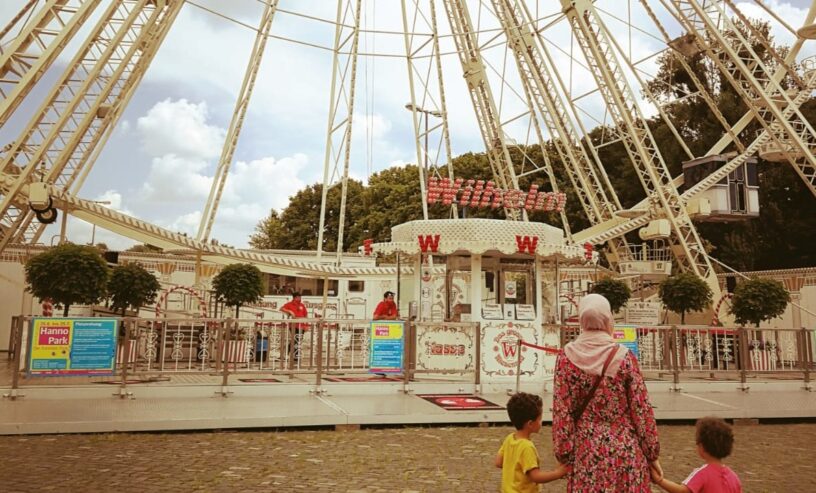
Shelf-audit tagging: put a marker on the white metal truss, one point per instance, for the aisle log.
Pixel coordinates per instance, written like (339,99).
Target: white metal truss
(424,64)
(63,136)
(753,80)
(593,39)
(597,196)
(702,92)
(237,122)
(617,227)
(341,113)
(481,96)
(30,54)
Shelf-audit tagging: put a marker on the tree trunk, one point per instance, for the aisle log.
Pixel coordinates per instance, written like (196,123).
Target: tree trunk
(683,318)
(65,310)
(237,310)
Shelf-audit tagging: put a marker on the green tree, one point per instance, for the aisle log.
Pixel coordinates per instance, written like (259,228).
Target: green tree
(68,274)
(131,285)
(614,290)
(759,299)
(238,284)
(684,293)
(268,233)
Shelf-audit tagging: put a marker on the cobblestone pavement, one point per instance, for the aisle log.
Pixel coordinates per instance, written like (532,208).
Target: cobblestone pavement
(768,457)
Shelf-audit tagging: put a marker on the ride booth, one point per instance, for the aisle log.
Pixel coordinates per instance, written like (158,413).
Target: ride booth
(477,286)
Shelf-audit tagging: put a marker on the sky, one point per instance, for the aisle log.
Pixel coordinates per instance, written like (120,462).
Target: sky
(161,158)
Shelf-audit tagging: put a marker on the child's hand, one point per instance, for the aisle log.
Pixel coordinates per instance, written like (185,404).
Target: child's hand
(562,470)
(656,471)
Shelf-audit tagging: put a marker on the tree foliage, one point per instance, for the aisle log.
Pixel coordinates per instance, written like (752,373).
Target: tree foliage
(68,274)
(614,290)
(759,299)
(238,284)
(131,285)
(684,293)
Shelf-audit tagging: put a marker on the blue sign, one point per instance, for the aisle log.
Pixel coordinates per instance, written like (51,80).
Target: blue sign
(385,354)
(73,346)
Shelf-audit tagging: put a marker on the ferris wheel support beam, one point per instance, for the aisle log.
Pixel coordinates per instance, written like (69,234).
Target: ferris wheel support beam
(237,122)
(424,100)
(698,84)
(542,94)
(344,78)
(33,51)
(756,85)
(62,136)
(620,226)
(592,37)
(481,96)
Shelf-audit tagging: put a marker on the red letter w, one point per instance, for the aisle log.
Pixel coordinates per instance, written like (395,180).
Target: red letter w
(509,349)
(526,243)
(428,241)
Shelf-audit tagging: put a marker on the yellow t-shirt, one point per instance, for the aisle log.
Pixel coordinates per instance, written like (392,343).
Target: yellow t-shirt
(518,457)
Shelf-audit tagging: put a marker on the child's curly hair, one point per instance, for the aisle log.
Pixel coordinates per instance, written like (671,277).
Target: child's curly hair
(716,437)
(523,407)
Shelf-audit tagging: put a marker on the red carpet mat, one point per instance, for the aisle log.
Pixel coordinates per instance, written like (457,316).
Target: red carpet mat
(362,379)
(460,402)
(129,382)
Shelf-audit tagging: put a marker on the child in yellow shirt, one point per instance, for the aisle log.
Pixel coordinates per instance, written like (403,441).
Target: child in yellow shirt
(518,457)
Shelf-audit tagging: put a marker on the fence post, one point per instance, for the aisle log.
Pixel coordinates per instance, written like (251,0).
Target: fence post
(17,345)
(674,358)
(742,337)
(124,350)
(518,364)
(226,328)
(478,329)
(406,355)
(807,355)
(319,373)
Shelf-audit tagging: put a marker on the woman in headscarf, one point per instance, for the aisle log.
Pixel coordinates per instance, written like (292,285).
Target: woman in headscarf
(603,424)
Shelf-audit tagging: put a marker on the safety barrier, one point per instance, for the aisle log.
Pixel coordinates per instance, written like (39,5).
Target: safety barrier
(226,347)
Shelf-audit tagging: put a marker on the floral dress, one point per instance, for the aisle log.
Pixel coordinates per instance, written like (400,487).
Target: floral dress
(613,442)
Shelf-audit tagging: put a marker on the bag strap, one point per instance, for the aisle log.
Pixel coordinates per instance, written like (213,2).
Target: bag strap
(580,411)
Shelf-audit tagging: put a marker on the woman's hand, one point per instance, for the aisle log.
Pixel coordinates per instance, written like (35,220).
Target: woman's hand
(656,470)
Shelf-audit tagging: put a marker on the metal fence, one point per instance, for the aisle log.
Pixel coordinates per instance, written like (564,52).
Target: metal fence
(317,347)
(721,352)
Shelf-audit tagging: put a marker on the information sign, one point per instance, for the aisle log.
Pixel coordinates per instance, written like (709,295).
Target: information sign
(626,335)
(643,312)
(387,346)
(72,346)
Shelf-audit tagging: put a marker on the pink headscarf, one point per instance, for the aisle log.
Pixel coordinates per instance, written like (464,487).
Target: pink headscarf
(590,350)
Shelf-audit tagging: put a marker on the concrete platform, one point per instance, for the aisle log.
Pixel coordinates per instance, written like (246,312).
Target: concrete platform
(199,402)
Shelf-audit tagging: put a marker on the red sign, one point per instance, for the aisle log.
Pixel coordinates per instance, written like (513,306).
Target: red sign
(526,243)
(428,241)
(479,193)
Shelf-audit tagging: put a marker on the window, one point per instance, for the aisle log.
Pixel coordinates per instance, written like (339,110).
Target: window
(286,285)
(356,286)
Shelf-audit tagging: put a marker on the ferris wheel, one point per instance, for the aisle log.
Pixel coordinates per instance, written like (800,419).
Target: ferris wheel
(533,73)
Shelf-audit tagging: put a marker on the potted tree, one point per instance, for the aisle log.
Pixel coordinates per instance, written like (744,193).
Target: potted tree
(614,290)
(68,274)
(131,285)
(685,293)
(237,285)
(757,300)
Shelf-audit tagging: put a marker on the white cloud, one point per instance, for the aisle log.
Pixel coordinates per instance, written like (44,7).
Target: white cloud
(180,128)
(174,179)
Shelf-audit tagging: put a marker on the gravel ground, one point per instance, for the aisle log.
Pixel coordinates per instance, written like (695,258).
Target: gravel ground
(767,457)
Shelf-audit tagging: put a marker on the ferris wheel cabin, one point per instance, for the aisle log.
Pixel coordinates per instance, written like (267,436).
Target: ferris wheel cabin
(734,198)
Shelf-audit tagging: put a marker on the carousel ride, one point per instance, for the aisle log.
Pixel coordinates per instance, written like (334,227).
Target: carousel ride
(536,73)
